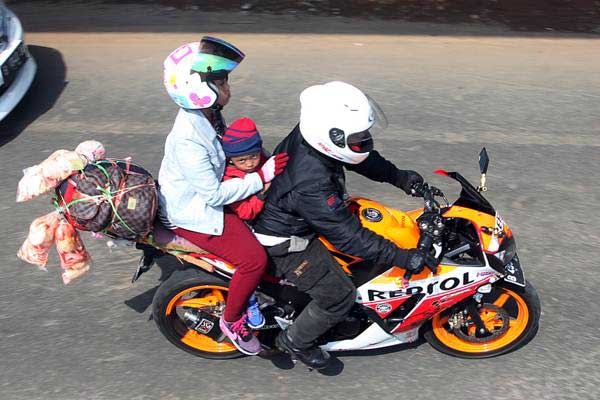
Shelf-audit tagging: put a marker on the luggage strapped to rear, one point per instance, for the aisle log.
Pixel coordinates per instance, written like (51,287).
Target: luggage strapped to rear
(110,221)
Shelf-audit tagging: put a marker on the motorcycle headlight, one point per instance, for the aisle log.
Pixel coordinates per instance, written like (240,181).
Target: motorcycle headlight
(507,251)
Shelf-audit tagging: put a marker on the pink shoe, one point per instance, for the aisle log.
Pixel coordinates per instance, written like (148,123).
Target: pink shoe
(240,335)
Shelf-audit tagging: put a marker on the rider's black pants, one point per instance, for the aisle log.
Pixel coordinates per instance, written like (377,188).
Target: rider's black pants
(315,272)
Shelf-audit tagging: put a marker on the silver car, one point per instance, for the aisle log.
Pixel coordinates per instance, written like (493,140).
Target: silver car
(17,67)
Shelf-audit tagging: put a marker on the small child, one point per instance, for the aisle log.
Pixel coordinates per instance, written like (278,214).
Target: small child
(242,145)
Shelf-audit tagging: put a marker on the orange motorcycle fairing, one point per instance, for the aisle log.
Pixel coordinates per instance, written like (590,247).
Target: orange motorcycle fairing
(397,226)
(491,229)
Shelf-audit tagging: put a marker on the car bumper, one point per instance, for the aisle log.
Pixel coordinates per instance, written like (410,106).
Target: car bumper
(19,87)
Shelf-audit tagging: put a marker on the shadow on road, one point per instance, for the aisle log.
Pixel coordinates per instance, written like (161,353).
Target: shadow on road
(526,16)
(336,365)
(46,88)
(167,265)
(553,18)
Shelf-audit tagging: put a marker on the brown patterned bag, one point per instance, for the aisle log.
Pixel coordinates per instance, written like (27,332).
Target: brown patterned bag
(114,197)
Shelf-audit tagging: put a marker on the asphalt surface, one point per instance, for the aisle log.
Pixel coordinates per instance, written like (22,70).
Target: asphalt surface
(447,91)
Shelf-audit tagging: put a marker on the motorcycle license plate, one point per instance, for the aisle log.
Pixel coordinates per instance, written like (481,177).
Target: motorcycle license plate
(514,272)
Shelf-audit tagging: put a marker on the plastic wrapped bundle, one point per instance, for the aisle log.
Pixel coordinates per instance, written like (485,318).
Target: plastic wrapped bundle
(41,237)
(74,258)
(91,149)
(47,175)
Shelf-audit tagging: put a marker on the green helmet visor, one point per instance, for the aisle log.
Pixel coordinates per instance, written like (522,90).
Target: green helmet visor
(221,48)
(216,58)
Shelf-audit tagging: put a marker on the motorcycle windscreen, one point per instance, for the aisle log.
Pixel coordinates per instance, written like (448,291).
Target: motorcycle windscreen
(469,196)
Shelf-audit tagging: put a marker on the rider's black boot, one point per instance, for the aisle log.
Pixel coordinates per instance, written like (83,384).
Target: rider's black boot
(313,356)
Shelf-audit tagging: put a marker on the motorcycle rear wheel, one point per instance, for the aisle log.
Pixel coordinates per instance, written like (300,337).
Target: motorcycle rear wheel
(185,290)
(511,315)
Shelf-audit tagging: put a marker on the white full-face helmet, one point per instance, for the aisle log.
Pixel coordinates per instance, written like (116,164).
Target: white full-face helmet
(190,69)
(335,119)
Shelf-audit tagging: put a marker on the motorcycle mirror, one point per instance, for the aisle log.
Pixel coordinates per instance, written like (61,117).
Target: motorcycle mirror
(484,161)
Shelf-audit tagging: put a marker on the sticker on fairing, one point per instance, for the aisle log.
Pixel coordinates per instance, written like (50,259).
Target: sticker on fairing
(494,244)
(499,224)
(514,272)
(383,308)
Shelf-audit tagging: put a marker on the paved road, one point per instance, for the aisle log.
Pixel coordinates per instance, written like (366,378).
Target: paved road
(532,101)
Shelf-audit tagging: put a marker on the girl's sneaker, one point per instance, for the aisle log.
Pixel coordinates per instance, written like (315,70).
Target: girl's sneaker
(240,336)
(255,318)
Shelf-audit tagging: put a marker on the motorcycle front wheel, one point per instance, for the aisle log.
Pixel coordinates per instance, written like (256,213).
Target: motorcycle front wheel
(185,294)
(511,317)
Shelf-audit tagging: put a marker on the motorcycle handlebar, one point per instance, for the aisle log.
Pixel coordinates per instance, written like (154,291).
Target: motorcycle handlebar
(425,243)
(429,193)
(432,207)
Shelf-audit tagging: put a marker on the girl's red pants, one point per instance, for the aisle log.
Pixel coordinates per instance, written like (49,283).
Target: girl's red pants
(238,246)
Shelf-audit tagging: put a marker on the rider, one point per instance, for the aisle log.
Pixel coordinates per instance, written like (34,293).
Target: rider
(192,194)
(309,199)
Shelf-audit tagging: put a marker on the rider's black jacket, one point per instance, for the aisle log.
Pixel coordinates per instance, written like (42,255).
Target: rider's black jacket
(309,197)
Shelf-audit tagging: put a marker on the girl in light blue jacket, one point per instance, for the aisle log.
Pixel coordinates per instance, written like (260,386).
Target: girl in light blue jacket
(192,194)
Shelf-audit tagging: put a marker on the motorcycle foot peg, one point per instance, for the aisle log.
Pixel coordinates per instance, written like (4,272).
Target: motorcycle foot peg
(146,262)
(221,337)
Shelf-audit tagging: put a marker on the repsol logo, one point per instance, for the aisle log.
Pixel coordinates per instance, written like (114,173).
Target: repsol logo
(445,285)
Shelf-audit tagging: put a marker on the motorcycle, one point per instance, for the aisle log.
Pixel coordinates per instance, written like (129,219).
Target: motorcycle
(473,302)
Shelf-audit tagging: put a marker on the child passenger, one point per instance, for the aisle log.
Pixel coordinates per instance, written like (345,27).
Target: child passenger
(242,145)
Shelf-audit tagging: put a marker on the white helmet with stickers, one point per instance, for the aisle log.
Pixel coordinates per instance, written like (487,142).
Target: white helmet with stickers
(191,68)
(335,119)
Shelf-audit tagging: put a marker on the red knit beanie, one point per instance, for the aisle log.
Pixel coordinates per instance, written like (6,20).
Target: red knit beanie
(241,137)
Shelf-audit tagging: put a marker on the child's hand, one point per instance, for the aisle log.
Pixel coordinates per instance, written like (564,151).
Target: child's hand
(273,167)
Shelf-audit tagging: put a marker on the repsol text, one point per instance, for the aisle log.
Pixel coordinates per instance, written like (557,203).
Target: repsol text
(445,285)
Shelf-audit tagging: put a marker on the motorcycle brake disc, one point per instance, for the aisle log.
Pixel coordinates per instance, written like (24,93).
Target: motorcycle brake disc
(501,315)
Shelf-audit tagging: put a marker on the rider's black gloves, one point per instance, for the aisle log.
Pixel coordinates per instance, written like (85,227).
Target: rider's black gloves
(407,179)
(415,261)
(412,260)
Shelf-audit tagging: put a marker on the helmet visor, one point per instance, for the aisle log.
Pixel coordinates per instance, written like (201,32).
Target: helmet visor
(216,58)
(380,121)
(360,142)
(221,48)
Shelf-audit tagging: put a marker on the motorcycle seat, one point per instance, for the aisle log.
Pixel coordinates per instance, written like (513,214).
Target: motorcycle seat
(168,240)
